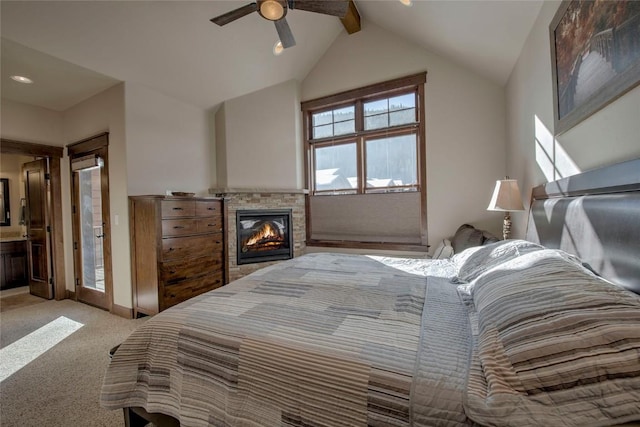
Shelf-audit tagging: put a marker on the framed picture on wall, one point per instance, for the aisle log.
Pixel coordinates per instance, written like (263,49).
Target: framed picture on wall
(595,57)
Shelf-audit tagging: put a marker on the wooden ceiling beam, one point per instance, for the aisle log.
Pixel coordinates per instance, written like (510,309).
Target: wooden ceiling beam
(351,20)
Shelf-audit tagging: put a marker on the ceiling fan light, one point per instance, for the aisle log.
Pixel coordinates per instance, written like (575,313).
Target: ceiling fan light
(406,2)
(278,48)
(22,79)
(272,10)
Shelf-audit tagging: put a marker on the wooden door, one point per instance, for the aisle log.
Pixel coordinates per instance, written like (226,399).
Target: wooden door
(38,228)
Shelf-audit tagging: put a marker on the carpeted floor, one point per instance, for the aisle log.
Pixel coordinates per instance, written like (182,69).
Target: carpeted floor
(21,298)
(62,386)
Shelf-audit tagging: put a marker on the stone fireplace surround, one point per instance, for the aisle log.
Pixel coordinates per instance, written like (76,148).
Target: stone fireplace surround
(241,199)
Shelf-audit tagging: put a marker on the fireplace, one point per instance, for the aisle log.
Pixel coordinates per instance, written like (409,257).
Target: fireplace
(263,235)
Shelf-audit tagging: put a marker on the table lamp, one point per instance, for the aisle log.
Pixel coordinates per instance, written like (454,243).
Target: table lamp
(506,197)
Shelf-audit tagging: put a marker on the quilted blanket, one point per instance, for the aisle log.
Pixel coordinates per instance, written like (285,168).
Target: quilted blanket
(320,340)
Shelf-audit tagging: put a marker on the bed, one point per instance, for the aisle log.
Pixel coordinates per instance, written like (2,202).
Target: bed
(518,332)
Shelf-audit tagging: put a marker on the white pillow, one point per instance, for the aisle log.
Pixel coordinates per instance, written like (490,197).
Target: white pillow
(444,250)
(472,262)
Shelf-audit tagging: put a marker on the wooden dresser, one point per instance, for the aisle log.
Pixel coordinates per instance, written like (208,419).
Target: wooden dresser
(177,249)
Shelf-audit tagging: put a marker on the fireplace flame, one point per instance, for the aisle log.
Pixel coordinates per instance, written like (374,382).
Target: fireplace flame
(265,237)
(264,233)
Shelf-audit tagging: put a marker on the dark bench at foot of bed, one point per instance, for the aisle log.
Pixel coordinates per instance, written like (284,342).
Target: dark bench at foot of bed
(138,417)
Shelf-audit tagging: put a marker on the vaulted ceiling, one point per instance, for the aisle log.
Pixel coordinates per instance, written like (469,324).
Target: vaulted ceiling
(75,49)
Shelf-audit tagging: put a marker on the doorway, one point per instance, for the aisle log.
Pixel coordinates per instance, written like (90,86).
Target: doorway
(91,224)
(53,155)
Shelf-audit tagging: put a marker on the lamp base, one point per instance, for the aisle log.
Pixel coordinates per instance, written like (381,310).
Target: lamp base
(506,226)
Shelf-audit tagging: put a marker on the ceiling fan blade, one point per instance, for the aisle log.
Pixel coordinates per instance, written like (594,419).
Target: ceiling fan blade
(284,32)
(328,7)
(234,14)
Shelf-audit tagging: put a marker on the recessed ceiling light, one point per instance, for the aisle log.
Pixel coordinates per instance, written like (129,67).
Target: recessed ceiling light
(278,48)
(22,79)
(406,2)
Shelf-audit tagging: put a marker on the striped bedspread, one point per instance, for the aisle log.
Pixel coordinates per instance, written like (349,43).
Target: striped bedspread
(320,340)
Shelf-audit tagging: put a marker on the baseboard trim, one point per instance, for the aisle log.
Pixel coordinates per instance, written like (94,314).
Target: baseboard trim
(71,295)
(121,311)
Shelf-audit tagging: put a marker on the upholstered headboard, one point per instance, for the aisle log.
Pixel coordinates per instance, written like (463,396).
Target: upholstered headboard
(596,216)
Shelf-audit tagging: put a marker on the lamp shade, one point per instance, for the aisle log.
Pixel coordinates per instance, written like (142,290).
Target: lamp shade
(506,196)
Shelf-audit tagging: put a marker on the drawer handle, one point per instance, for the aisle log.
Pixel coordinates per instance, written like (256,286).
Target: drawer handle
(172,272)
(178,226)
(177,209)
(170,249)
(211,225)
(211,209)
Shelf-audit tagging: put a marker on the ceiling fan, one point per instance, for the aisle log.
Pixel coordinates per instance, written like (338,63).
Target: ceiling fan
(275,10)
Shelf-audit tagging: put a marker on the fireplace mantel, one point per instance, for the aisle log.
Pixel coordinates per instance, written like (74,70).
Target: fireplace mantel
(251,190)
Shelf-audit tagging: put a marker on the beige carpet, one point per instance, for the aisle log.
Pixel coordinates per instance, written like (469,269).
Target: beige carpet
(62,386)
(11,301)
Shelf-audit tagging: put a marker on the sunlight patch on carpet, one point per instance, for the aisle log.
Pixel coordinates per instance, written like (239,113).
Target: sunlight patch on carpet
(19,354)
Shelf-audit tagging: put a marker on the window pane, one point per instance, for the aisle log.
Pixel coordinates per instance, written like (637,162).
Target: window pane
(343,128)
(391,161)
(320,119)
(376,107)
(402,117)
(347,113)
(376,122)
(336,167)
(334,122)
(323,131)
(402,102)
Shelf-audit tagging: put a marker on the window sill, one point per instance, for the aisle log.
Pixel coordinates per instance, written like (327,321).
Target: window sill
(346,244)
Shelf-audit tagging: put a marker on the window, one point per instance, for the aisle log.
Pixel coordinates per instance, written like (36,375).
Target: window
(370,143)
(383,113)
(367,141)
(334,122)
(336,168)
(391,162)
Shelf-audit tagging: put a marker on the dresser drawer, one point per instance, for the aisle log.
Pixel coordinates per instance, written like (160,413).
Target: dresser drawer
(176,293)
(208,207)
(209,225)
(187,226)
(173,271)
(192,247)
(179,227)
(177,208)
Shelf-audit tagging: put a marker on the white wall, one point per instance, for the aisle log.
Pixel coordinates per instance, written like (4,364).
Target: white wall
(103,112)
(220,119)
(168,144)
(465,121)
(609,136)
(27,123)
(259,139)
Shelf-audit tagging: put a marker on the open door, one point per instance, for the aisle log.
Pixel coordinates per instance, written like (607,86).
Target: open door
(36,179)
